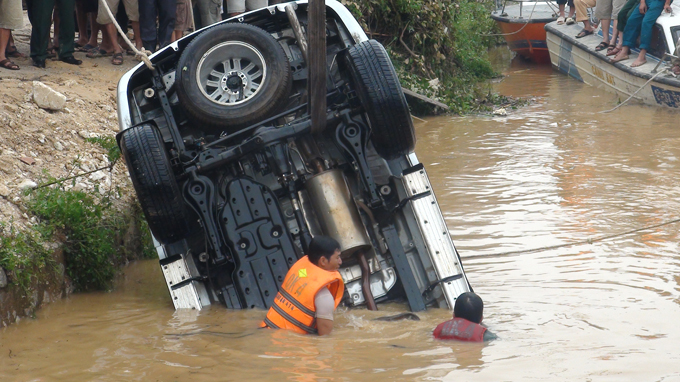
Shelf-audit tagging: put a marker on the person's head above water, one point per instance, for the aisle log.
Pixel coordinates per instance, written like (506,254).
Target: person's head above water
(324,252)
(470,307)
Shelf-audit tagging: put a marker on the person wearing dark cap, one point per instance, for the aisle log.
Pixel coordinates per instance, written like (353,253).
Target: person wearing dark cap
(465,325)
(311,291)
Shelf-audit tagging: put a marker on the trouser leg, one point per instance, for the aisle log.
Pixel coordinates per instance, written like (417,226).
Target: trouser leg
(67,28)
(167,10)
(41,16)
(625,13)
(632,30)
(654,9)
(147,24)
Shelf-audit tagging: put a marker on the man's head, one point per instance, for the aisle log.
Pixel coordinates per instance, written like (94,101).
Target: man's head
(324,252)
(470,307)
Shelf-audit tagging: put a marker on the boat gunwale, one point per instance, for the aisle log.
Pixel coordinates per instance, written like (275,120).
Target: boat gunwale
(670,81)
(522,21)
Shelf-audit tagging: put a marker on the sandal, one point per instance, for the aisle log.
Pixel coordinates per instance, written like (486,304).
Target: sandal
(117,59)
(569,20)
(52,52)
(601,46)
(13,52)
(7,64)
(560,20)
(584,33)
(85,48)
(97,52)
(613,51)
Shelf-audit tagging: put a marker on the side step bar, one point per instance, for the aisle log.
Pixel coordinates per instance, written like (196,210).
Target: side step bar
(450,274)
(183,280)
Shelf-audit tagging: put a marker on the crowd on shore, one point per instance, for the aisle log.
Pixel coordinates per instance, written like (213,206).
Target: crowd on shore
(155,24)
(632,19)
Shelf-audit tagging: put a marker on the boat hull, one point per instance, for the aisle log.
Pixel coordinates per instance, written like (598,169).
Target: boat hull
(529,42)
(579,60)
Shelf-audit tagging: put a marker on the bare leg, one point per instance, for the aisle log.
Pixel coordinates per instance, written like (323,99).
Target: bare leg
(81,17)
(561,8)
(605,30)
(4,39)
(111,35)
(641,59)
(95,29)
(138,35)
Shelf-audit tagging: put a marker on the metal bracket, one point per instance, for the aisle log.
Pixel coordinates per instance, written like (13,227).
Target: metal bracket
(199,192)
(353,138)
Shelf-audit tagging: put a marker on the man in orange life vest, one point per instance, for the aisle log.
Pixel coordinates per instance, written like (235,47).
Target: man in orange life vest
(466,323)
(310,292)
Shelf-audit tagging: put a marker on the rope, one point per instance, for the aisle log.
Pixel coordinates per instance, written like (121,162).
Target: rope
(517,31)
(636,92)
(586,241)
(109,167)
(143,54)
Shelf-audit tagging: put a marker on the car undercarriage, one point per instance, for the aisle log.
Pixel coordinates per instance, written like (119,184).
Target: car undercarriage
(234,178)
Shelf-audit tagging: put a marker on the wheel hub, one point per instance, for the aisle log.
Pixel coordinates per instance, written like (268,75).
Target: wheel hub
(234,81)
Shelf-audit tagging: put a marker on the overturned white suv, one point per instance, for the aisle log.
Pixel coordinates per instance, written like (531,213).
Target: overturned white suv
(234,182)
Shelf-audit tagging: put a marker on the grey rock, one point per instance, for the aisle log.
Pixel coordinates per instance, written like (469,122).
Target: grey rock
(27,184)
(47,98)
(4,191)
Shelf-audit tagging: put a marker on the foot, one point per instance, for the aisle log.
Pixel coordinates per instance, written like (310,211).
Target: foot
(569,20)
(8,64)
(86,48)
(613,51)
(39,63)
(619,57)
(12,52)
(98,52)
(560,20)
(676,69)
(71,60)
(117,59)
(584,32)
(638,62)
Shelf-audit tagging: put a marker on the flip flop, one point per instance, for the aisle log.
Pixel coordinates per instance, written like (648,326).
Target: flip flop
(584,33)
(7,64)
(601,46)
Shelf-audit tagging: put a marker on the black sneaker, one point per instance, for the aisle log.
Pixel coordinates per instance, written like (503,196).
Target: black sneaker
(71,60)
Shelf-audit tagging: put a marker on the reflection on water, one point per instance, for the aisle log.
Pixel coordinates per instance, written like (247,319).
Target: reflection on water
(554,172)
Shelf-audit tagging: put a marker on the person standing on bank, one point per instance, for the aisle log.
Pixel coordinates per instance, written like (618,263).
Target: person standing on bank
(311,291)
(465,325)
(41,20)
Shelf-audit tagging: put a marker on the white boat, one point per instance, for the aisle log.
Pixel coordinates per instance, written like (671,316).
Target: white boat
(653,81)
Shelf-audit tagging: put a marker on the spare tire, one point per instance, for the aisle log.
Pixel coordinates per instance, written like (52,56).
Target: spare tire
(154,182)
(376,83)
(233,75)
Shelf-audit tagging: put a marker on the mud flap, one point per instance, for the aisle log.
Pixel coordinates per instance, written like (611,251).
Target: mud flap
(263,250)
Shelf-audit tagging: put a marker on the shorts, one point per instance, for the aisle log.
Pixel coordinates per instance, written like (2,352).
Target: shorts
(11,14)
(183,15)
(131,8)
(240,6)
(608,9)
(568,2)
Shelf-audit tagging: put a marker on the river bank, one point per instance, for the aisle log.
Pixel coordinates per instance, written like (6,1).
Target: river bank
(42,143)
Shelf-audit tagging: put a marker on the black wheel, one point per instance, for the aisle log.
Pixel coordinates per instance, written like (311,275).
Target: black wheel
(379,91)
(233,75)
(154,181)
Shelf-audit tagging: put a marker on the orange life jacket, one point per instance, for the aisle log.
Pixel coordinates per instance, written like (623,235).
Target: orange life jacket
(459,329)
(293,306)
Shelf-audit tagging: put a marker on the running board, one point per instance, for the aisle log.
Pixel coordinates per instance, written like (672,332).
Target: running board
(450,274)
(183,280)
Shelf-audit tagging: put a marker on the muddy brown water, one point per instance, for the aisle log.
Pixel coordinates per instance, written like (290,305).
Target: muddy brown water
(552,173)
